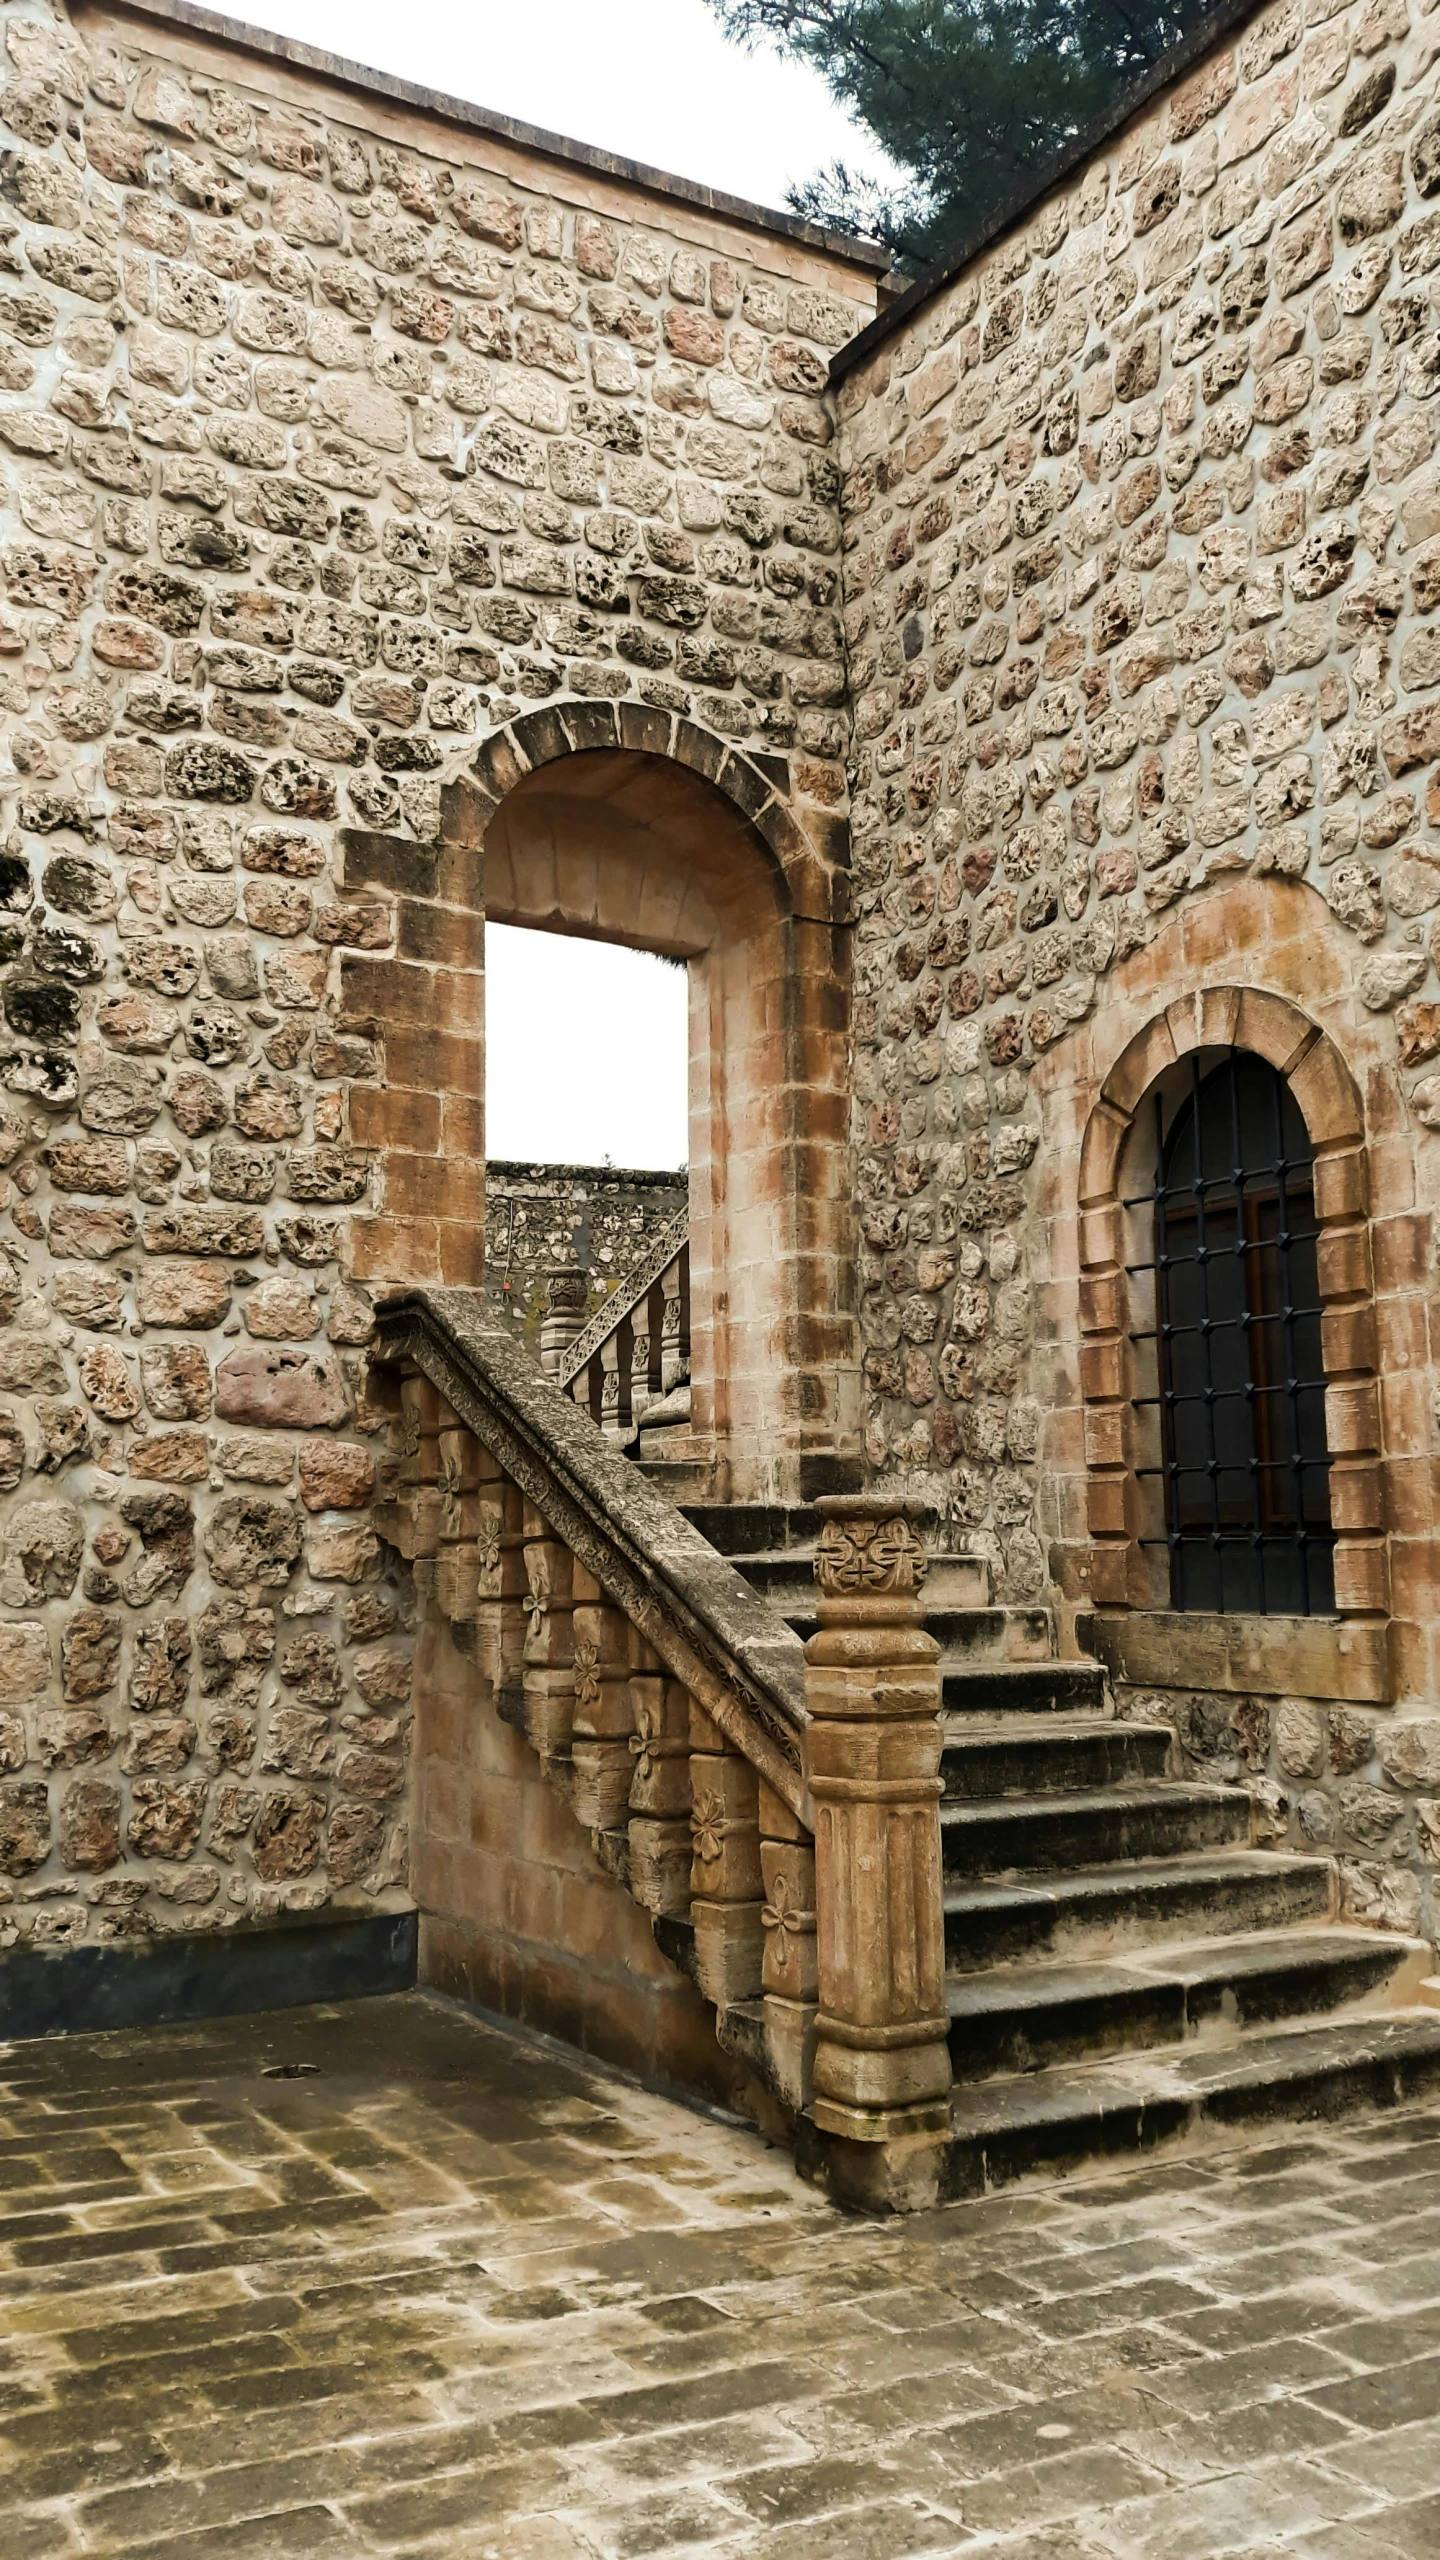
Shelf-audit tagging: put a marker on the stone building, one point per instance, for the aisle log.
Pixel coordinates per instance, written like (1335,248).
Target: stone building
(1018,705)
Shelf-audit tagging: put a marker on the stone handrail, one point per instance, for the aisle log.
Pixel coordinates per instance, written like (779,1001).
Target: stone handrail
(635,1285)
(743,1666)
(773,1808)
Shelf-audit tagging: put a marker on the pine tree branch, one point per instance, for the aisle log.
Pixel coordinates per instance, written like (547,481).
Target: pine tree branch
(967,98)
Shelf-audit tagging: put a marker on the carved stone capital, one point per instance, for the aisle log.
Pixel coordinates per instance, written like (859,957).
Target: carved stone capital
(871,1549)
(566,1292)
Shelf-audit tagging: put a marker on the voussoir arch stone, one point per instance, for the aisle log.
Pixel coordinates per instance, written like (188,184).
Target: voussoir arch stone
(811,859)
(1252,1018)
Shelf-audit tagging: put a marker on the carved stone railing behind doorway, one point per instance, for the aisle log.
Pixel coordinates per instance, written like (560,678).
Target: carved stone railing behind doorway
(636,1346)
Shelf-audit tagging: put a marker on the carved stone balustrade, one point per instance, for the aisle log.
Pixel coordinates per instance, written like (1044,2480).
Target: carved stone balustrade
(725,1881)
(457,1571)
(773,1810)
(563,1320)
(548,1675)
(663,1699)
(602,1760)
(660,1791)
(636,1346)
(790,1966)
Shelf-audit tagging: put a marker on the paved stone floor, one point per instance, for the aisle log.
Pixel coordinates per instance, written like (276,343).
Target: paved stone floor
(382,2279)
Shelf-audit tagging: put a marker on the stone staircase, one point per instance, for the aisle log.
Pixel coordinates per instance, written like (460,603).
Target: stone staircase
(1123,1966)
(1077,1953)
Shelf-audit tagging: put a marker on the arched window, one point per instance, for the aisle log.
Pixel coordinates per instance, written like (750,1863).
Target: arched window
(1238,1368)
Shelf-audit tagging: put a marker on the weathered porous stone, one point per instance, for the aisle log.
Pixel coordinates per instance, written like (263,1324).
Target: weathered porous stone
(176,1381)
(69,1736)
(90,1653)
(280,1390)
(24,1826)
(1409,1751)
(165,1819)
(286,1840)
(250,1541)
(89,1825)
(336,1475)
(160,1666)
(24,1663)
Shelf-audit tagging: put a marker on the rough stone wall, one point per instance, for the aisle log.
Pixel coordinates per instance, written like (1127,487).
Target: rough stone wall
(541,1218)
(1140,576)
(1358,1782)
(331,434)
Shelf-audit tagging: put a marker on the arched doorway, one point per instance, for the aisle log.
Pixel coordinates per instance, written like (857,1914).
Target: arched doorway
(627,825)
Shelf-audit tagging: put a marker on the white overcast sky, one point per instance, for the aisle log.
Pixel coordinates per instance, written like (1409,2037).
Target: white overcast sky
(654,79)
(585,1052)
(586,1045)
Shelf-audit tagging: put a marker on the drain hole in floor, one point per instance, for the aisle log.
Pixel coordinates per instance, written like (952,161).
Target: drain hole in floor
(289,2070)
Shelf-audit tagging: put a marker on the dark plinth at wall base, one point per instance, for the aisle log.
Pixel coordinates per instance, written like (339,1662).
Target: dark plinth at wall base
(89,1990)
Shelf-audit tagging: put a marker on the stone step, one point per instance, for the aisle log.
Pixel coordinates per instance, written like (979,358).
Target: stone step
(682,1479)
(991,1635)
(1036,1755)
(785,1576)
(981,1639)
(1025,1688)
(1014,1834)
(1031,2017)
(740,1529)
(1047,2122)
(668,1411)
(1100,1911)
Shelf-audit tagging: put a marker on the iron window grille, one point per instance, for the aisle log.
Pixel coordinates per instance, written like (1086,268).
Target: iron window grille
(1234,1346)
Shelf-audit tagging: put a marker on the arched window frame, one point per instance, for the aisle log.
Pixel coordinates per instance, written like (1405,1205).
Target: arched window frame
(1198,1399)
(1120,1574)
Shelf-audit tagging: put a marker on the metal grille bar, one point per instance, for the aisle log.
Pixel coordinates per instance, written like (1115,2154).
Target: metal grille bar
(1235,1346)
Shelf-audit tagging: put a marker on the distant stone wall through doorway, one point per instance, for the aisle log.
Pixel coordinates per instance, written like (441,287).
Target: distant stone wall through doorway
(595,1219)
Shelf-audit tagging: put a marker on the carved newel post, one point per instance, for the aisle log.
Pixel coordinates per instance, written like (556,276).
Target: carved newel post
(563,1319)
(872,1688)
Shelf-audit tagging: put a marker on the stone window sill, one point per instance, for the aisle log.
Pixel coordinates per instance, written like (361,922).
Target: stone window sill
(1347,1658)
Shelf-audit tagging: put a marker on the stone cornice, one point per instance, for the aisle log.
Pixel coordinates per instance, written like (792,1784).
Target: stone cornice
(410,94)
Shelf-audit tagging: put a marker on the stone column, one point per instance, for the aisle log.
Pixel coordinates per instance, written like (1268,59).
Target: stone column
(457,1578)
(501,1587)
(564,1318)
(726,1886)
(660,1789)
(421,1509)
(872,1687)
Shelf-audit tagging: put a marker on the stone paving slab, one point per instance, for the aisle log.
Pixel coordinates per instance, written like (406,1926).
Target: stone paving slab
(387,2279)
